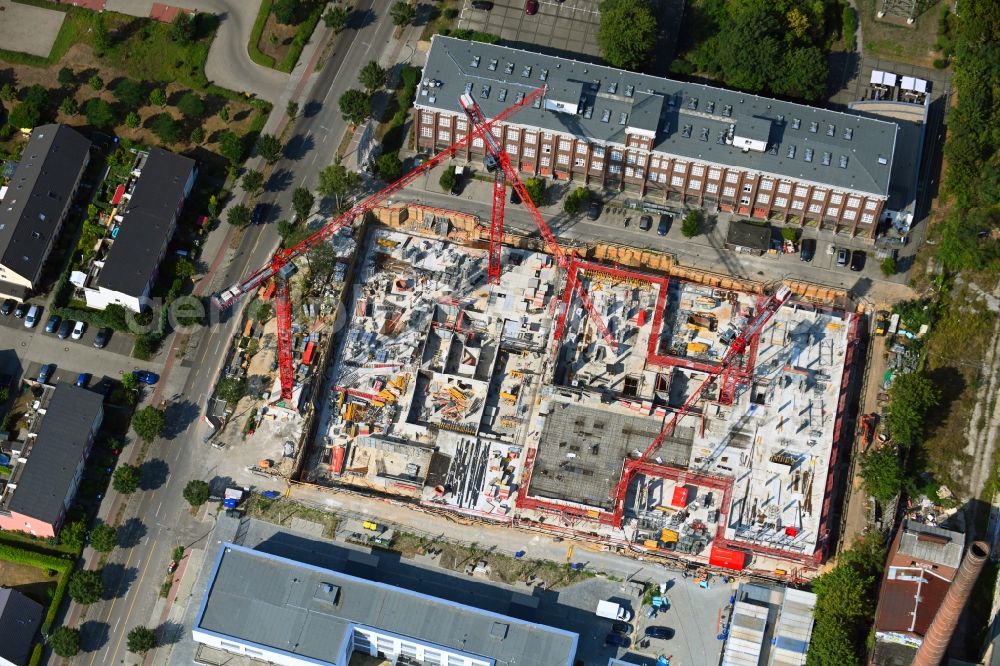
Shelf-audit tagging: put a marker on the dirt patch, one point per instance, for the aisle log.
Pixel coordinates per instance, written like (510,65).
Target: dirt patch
(276,39)
(32,582)
(912,44)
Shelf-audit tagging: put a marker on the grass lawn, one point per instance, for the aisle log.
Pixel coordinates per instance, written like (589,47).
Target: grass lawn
(278,45)
(911,44)
(30,581)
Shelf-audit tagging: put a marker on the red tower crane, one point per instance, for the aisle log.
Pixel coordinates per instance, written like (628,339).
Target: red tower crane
(733,353)
(498,161)
(281,266)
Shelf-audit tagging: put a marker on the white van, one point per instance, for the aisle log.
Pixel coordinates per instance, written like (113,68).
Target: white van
(31,319)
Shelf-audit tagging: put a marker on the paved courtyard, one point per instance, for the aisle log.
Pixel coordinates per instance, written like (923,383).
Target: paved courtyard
(29,29)
(566,29)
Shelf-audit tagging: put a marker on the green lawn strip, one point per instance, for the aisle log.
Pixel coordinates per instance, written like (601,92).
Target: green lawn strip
(302,34)
(256,54)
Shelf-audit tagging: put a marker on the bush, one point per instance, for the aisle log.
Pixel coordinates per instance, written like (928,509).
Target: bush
(447,179)
(691,226)
(196,492)
(125,480)
(96,82)
(99,113)
(157,97)
(849,23)
(576,201)
(66,77)
(231,146)
(65,642)
(86,587)
(888,266)
(166,128)
(143,347)
(791,233)
(286,11)
(24,116)
(69,106)
(129,93)
(132,119)
(536,190)
(191,106)
(941,63)
(73,534)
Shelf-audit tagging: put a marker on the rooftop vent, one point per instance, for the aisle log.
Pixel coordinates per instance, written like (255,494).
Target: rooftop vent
(475,62)
(825,161)
(843,161)
(502,95)
(693,103)
(485,92)
(791,153)
(686,131)
(813,127)
(493,65)
(882,159)
(629,91)
(509,68)
(605,115)
(796,123)
(711,107)
(544,75)
(848,133)
(727,110)
(537,104)
(831,130)
(613,87)
(468,88)
(526,72)
(704,134)
(623,118)
(781,119)
(588,112)
(721,138)
(809,155)
(499,630)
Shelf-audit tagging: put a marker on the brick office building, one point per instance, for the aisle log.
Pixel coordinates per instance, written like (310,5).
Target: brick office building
(667,141)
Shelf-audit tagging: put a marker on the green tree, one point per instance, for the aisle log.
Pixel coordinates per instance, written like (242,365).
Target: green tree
(253,182)
(130,93)
(166,128)
(291,109)
(389,168)
(24,116)
(183,29)
(691,226)
(269,147)
(231,146)
(791,233)
(100,38)
(882,473)
(103,538)
(231,389)
(96,82)
(355,106)
(337,181)
(372,76)
(157,97)
(191,106)
(196,492)
(536,190)
(910,397)
(803,74)
(197,135)
(238,215)
(286,11)
(132,119)
(224,114)
(69,106)
(888,266)
(402,13)
(125,480)
(73,534)
(141,640)
(7,93)
(65,642)
(131,387)
(336,18)
(627,33)
(99,113)
(148,423)
(302,202)
(66,77)
(576,200)
(86,587)
(262,311)
(447,179)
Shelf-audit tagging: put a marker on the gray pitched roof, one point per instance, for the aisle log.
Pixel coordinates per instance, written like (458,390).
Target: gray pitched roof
(56,453)
(281,604)
(148,223)
(927,543)
(20,618)
(600,103)
(39,195)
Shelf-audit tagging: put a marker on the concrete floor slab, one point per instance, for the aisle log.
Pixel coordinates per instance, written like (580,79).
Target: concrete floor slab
(29,29)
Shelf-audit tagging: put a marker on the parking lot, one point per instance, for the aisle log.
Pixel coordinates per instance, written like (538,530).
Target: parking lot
(560,28)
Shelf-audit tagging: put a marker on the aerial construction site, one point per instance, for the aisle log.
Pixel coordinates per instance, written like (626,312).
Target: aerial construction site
(510,402)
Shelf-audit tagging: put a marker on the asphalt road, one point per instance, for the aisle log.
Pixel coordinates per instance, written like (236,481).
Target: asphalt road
(157,519)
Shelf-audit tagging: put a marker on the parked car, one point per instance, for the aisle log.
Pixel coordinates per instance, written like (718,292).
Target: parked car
(20,309)
(645,223)
(482,4)
(664,225)
(7,307)
(146,377)
(531,7)
(858,260)
(621,628)
(52,325)
(102,337)
(807,250)
(659,632)
(594,210)
(78,330)
(83,379)
(258,214)
(31,319)
(515,198)
(843,256)
(65,329)
(45,374)
(615,639)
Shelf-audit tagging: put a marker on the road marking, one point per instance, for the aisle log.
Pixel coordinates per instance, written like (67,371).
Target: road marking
(157,514)
(135,597)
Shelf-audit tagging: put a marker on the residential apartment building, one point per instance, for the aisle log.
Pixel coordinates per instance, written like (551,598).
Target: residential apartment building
(673,143)
(37,200)
(126,267)
(20,620)
(49,463)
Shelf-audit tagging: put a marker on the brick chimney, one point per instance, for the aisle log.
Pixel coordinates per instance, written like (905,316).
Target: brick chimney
(931,651)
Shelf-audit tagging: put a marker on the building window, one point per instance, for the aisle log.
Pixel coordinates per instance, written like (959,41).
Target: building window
(444,136)
(849,214)
(562,159)
(427,117)
(597,166)
(477,142)
(529,152)
(564,145)
(833,212)
(745,200)
(598,151)
(712,188)
(867,218)
(732,177)
(545,162)
(697,171)
(798,205)
(784,188)
(512,135)
(629,172)
(780,202)
(546,148)
(581,148)
(546,135)
(531,136)
(630,158)
(763,199)
(614,168)
(714,174)
(694,185)
(579,161)
(853,202)
(819,194)
(801,191)
(815,208)
(651,177)
(871,204)
(836,199)
(729,192)
(677,181)
(462,125)
(766,184)
(616,155)
(748,187)
(654,163)
(680,167)
(427,131)
(444,121)
(512,148)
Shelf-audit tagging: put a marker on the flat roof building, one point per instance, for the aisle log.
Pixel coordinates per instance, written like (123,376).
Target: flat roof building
(666,140)
(769,626)
(36,203)
(287,612)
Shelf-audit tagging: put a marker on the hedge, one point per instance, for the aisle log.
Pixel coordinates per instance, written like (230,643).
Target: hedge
(36,655)
(40,561)
(256,54)
(302,34)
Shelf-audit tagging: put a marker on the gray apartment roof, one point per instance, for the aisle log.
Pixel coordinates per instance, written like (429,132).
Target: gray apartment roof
(56,452)
(690,119)
(928,543)
(39,195)
(147,224)
(281,604)
(20,618)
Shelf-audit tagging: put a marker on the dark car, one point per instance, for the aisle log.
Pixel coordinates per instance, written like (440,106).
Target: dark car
(146,377)
(52,324)
(664,225)
(102,337)
(65,329)
(259,213)
(7,307)
(531,7)
(104,387)
(515,198)
(659,632)
(645,222)
(615,639)
(594,210)
(20,310)
(843,256)
(808,249)
(83,379)
(858,260)
(482,4)
(45,374)
(621,628)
